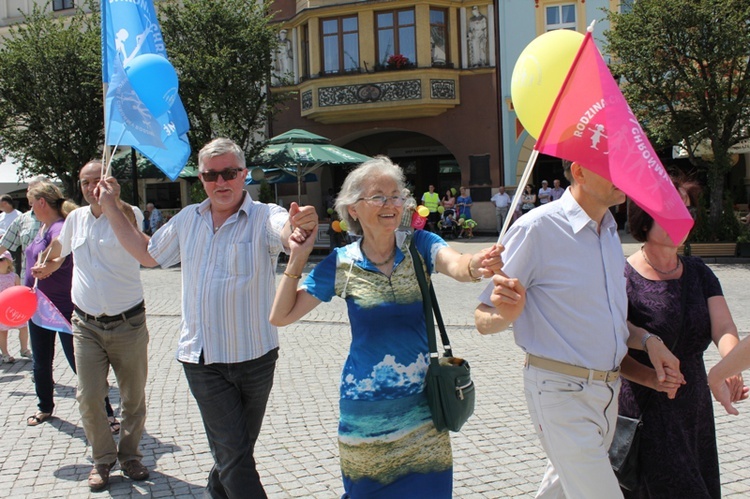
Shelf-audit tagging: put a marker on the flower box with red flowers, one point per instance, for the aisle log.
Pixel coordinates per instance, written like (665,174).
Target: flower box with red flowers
(398,61)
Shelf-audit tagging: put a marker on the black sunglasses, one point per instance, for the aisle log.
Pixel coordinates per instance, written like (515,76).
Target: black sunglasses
(213,176)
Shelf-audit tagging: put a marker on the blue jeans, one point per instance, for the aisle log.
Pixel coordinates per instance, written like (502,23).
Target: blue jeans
(43,355)
(232,399)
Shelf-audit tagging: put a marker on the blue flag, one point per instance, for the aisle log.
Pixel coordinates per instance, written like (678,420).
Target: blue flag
(130,28)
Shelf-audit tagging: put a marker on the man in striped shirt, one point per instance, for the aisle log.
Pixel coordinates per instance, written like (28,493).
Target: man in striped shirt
(228,246)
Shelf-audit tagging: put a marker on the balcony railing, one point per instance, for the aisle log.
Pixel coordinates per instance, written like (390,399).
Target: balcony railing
(382,94)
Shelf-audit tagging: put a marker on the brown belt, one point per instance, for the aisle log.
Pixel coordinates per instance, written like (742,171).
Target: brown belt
(571,370)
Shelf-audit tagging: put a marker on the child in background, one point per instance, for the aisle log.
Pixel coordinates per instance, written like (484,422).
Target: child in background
(467,226)
(8,279)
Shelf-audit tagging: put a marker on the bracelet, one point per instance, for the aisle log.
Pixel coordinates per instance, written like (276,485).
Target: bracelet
(471,275)
(646,337)
(292,276)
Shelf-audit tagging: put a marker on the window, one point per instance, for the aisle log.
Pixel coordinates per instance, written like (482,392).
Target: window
(396,34)
(340,44)
(561,17)
(626,6)
(439,36)
(62,4)
(306,50)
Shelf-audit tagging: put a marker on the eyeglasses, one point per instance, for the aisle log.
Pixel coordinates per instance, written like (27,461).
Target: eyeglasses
(381,200)
(227,174)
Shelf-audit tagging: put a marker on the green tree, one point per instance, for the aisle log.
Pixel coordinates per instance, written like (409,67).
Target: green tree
(51,117)
(222,50)
(684,65)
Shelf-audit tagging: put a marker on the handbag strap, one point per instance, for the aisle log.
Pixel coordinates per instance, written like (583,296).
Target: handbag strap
(430,307)
(683,309)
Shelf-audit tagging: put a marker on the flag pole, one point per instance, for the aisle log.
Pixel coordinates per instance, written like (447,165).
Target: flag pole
(521,185)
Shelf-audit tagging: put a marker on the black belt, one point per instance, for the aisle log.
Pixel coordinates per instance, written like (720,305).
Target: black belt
(132,312)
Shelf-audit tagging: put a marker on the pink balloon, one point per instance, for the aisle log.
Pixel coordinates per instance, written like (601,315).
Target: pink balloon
(418,221)
(17,305)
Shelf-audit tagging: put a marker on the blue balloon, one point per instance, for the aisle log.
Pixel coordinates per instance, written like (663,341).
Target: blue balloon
(154,80)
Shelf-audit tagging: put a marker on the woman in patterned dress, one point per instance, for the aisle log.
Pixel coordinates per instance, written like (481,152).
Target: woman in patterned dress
(388,444)
(678,454)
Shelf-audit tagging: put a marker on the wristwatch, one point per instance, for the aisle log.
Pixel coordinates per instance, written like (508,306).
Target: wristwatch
(646,338)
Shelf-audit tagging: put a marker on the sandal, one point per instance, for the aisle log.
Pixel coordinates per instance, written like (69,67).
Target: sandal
(114,425)
(38,418)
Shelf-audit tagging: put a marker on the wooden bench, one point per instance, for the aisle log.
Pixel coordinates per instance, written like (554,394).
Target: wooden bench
(710,249)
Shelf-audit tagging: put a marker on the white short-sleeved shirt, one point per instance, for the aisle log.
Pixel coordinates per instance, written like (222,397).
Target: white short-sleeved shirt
(576,304)
(501,200)
(6,219)
(106,278)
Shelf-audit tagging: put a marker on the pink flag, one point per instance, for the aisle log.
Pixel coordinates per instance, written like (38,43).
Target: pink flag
(591,123)
(48,316)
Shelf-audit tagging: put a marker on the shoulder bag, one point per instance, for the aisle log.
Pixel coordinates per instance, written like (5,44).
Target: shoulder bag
(449,387)
(623,453)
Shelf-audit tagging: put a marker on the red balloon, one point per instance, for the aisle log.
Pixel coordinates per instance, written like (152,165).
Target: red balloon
(17,305)
(418,222)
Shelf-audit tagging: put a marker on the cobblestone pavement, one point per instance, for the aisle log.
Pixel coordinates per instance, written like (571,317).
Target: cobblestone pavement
(495,455)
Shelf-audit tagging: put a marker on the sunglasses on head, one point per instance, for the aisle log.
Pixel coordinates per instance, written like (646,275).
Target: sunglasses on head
(227,174)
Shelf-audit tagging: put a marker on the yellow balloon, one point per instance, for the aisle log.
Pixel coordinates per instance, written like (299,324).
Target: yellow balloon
(423,211)
(538,75)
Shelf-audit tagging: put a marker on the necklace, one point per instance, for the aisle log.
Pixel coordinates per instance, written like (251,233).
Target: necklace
(662,272)
(387,260)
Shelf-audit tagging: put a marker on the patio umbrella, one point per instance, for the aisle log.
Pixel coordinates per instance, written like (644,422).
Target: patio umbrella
(276,176)
(298,153)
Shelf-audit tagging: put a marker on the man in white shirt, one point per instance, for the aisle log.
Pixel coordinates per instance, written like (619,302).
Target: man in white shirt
(557,191)
(568,302)
(502,202)
(545,193)
(228,246)
(109,329)
(8,213)
(155,218)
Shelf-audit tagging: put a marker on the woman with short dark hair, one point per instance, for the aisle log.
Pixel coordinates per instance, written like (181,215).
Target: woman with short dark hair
(678,454)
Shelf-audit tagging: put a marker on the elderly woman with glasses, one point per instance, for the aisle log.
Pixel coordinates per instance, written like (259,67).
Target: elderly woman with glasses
(679,302)
(388,444)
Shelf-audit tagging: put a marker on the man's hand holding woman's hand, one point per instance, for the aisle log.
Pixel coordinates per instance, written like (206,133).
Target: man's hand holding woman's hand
(304,222)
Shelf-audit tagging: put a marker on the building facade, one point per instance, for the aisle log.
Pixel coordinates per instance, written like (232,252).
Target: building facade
(416,81)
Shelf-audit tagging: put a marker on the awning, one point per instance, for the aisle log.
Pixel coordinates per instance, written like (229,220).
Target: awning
(703,150)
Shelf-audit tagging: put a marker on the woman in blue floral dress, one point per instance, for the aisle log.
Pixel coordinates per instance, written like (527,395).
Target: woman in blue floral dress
(387,443)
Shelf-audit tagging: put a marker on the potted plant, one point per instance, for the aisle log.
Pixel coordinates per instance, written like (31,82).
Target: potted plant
(398,61)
